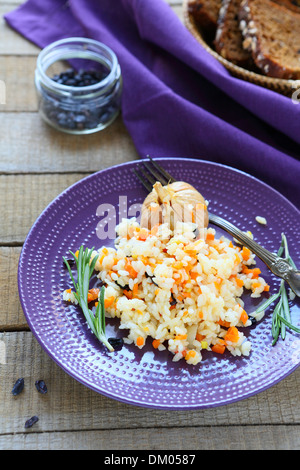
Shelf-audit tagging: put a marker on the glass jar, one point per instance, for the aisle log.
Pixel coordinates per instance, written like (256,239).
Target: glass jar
(89,106)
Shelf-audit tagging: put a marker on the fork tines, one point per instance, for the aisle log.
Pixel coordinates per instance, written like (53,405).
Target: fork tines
(154,173)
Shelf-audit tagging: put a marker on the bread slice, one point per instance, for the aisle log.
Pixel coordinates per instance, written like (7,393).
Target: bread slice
(228,41)
(293,5)
(205,14)
(272,34)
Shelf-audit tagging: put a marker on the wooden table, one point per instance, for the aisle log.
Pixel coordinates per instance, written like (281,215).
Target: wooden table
(36,164)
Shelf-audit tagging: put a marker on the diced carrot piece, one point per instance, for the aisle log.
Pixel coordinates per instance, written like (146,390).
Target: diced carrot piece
(246,253)
(140,341)
(130,269)
(239,282)
(186,294)
(244,317)
(255,285)
(266,288)
(200,315)
(200,337)
(232,334)
(218,348)
(210,237)
(93,294)
(135,290)
(181,337)
(191,251)
(69,291)
(109,301)
(256,272)
(190,353)
(226,324)
(194,276)
(155,343)
(128,294)
(237,259)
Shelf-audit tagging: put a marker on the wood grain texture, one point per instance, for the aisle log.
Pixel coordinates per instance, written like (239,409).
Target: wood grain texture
(24,197)
(17,72)
(69,406)
(11,313)
(177,439)
(29,145)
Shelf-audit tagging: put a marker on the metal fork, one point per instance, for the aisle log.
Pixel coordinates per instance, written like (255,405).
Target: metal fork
(279,266)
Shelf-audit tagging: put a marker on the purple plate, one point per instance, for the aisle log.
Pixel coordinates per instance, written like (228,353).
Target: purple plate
(148,377)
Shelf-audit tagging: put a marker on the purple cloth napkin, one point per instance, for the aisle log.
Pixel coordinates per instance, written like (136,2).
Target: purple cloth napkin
(178,101)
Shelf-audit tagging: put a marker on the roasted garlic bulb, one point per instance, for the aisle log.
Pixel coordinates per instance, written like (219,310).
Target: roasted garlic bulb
(175,202)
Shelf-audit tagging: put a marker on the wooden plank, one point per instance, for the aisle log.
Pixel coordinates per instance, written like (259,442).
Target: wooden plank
(30,145)
(69,406)
(17,72)
(24,197)
(11,313)
(181,441)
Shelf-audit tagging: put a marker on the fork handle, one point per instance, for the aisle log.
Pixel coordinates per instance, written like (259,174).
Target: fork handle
(279,266)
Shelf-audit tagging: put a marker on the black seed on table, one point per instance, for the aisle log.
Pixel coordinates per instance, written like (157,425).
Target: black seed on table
(30,422)
(252,319)
(18,387)
(116,343)
(41,386)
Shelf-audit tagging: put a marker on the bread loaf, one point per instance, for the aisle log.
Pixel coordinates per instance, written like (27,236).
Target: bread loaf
(229,39)
(271,34)
(293,5)
(205,14)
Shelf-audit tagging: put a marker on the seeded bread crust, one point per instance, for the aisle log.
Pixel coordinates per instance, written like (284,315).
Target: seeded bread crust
(205,14)
(228,41)
(293,5)
(271,34)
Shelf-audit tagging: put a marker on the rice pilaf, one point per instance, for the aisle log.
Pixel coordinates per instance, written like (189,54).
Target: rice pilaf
(182,291)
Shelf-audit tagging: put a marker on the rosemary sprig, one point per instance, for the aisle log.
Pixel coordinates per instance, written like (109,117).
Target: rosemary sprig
(85,268)
(281,317)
